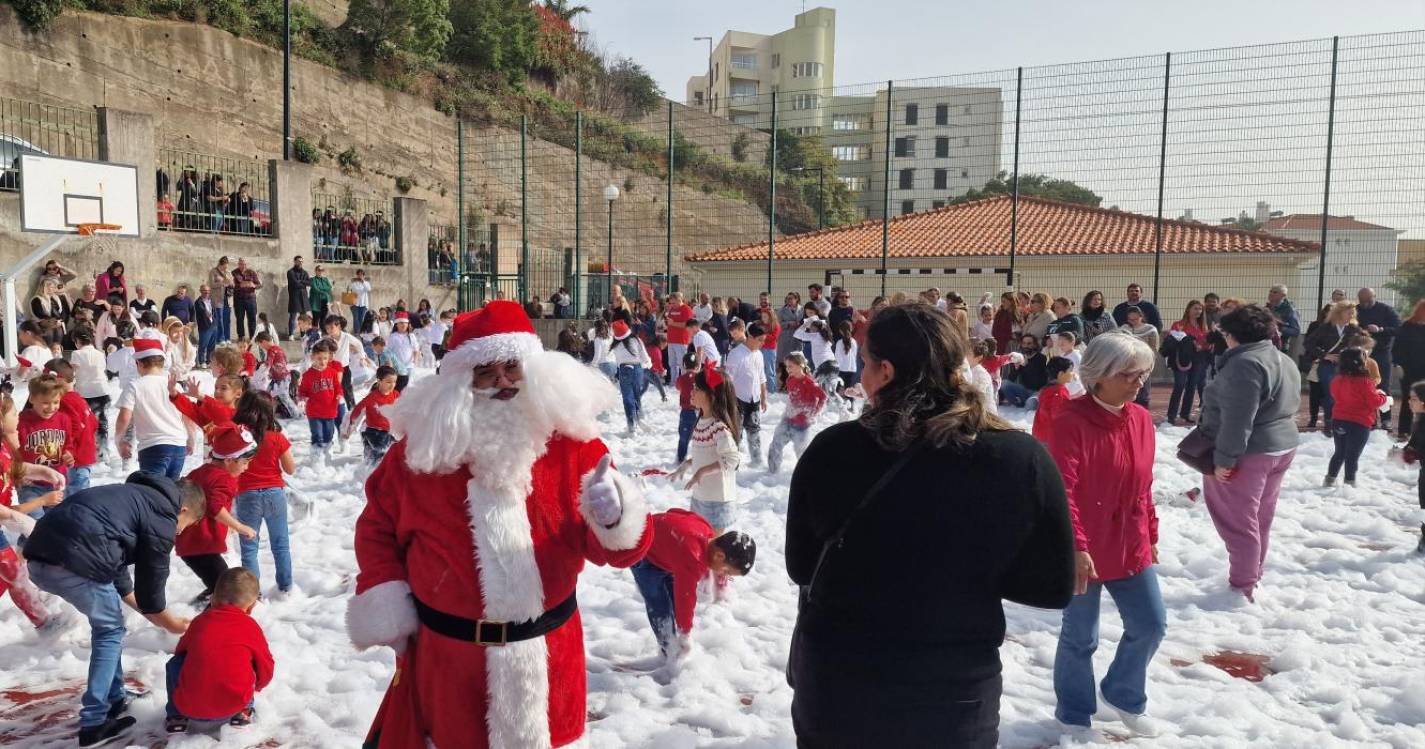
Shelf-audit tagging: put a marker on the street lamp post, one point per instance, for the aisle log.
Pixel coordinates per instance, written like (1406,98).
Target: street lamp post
(610,194)
(820,192)
(286,80)
(708,81)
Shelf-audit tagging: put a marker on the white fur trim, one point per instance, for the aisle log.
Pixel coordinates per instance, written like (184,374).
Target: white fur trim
(629,529)
(383,615)
(478,352)
(573,393)
(517,674)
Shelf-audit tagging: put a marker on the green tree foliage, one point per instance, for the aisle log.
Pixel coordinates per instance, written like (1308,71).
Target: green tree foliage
(501,36)
(1409,282)
(1035,185)
(798,159)
(565,10)
(421,27)
(630,80)
(37,14)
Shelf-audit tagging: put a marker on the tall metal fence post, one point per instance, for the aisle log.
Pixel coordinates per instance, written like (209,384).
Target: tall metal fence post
(886,198)
(462,254)
(524,213)
(772,196)
(1162,177)
(668,259)
(1014,197)
(578,210)
(1326,191)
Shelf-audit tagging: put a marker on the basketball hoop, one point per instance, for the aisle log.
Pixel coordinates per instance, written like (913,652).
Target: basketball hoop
(102,238)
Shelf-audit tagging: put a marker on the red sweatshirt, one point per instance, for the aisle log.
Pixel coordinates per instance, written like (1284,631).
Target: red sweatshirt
(680,543)
(655,355)
(371,405)
(322,390)
(86,426)
(1356,400)
(805,400)
(208,536)
(1052,399)
(249,363)
(227,662)
(208,411)
(45,441)
(685,390)
(277,368)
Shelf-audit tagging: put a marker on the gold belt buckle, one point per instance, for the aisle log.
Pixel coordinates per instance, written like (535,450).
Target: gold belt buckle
(504,633)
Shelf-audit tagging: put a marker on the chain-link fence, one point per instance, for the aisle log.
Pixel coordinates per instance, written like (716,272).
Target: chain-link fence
(28,127)
(1211,172)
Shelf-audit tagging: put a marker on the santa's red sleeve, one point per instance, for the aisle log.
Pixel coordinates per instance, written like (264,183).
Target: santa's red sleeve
(383,611)
(627,541)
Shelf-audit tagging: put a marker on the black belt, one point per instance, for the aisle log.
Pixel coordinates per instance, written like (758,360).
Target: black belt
(491,633)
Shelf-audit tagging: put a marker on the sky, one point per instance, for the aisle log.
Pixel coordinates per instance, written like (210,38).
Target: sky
(941,38)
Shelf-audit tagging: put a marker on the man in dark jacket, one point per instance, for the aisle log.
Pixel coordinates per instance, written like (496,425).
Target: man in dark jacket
(1135,299)
(205,314)
(179,305)
(1382,323)
(81,551)
(298,286)
(1020,381)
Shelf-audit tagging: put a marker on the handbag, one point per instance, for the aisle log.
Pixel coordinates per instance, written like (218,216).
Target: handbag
(1195,451)
(348,298)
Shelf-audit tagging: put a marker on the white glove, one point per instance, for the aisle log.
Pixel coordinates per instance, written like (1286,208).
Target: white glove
(602,496)
(1016,358)
(1389,404)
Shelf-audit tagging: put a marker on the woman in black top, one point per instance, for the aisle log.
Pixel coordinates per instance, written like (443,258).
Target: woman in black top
(898,635)
(1410,355)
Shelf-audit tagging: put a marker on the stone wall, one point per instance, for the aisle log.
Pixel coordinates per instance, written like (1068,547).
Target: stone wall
(715,134)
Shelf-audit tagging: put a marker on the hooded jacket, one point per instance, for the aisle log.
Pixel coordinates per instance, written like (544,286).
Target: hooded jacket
(100,532)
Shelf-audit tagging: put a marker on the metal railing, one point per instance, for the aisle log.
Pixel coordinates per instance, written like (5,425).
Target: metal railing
(199,192)
(443,255)
(28,127)
(351,229)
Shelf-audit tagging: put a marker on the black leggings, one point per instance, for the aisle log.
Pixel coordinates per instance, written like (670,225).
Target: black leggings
(208,568)
(346,393)
(1351,441)
(1315,394)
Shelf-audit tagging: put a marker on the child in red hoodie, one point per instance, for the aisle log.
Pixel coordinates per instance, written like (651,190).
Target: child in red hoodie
(1053,397)
(221,662)
(805,400)
(376,438)
(1357,402)
(684,551)
(210,412)
(201,545)
(687,415)
(86,426)
(47,435)
(321,390)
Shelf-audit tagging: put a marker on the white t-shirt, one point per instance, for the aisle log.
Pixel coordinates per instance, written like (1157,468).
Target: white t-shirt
(631,353)
(435,332)
(748,373)
(603,349)
(121,362)
(846,357)
(703,342)
(702,313)
(90,380)
(821,351)
(346,345)
(38,356)
(979,378)
(362,289)
(156,420)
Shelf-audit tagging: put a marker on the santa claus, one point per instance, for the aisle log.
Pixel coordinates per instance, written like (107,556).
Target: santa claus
(476,527)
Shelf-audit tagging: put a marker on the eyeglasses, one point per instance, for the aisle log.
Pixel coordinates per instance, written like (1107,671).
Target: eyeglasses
(1135,375)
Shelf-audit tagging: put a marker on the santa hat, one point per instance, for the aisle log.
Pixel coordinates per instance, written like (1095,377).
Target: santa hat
(147,347)
(403,317)
(498,332)
(620,329)
(231,441)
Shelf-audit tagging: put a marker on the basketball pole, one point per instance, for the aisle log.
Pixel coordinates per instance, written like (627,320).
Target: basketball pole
(8,278)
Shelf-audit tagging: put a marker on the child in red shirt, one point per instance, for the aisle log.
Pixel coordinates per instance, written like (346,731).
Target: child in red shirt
(210,412)
(376,438)
(85,423)
(249,360)
(656,371)
(684,551)
(262,492)
(47,435)
(1357,403)
(165,212)
(279,373)
(321,390)
(220,662)
(805,400)
(1053,397)
(201,545)
(687,415)
(14,575)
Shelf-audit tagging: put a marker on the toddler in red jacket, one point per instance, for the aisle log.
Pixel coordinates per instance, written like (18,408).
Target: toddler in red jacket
(376,438)
(1053,397)
(221,662)
(321,390)
(201,545)
(1357,404)
(684,551)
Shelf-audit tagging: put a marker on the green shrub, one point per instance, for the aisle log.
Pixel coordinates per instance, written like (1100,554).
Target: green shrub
(305,152)
(404,184)
(349,160)
(38,14)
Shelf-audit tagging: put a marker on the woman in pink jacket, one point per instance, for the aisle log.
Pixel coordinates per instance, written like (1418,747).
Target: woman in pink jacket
(1104,444)
(111,281)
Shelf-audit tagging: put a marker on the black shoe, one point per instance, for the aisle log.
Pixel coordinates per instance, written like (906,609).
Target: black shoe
(122,706)
(200,601)
(176,725)
(244,718)
(112,730)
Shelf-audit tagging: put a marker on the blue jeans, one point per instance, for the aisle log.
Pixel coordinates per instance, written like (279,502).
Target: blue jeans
(224,321)
(358,316)
(1140,604)
(163,460)
(1325,373)
(375,443)
(769,366)
(1350,439)
(209,341)
(656,380)
(1014,393)
(268,506)
(323,430)
(28,492)
(78,480)
(687,419)
(174,673)
(610,370)
(101,604)
(630,385)
(656,586)
(1185,385)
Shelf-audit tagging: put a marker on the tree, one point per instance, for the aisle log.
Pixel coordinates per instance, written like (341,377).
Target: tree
(1409,281)
(798,159)
(500,36)
(564,10)
(421,27)
(629,80)
(1034,185)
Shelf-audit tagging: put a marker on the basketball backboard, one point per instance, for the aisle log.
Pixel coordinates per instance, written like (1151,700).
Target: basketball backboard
(58,195)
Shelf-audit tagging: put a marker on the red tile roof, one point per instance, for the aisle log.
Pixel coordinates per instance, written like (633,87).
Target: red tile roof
(1313,222)
(981,229)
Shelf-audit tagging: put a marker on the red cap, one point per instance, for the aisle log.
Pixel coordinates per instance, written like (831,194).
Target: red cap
(620,329)
(147,347)
(403,317)
(498,332)
(231,441)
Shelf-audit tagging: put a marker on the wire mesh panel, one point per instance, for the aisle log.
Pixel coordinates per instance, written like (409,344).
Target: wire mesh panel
(350,229)
(443,255)
(28,127)
(199,192)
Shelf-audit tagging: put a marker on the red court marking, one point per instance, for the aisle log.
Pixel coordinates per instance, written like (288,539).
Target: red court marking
(653,472)
(1250,666)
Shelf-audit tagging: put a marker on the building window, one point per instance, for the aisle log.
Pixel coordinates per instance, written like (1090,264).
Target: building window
(942,148)
(744,119)
(853,184)
(905,146)
(938,204)
(806,70)
(942,114)
(742,92)
(967,109)
(776,60)
(964,174)
(851,153)
(907,179)
(744,62)
(850,122)
(942,179)
(912,114)
(806,101)
(907,206)
(806,131)
(965,141)
(698,98)
(717,68)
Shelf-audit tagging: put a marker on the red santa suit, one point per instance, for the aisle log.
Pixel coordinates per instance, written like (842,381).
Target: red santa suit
(478,512)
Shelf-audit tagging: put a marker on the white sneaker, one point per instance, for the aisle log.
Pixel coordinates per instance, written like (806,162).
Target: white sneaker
(339,446)
(1139,723)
